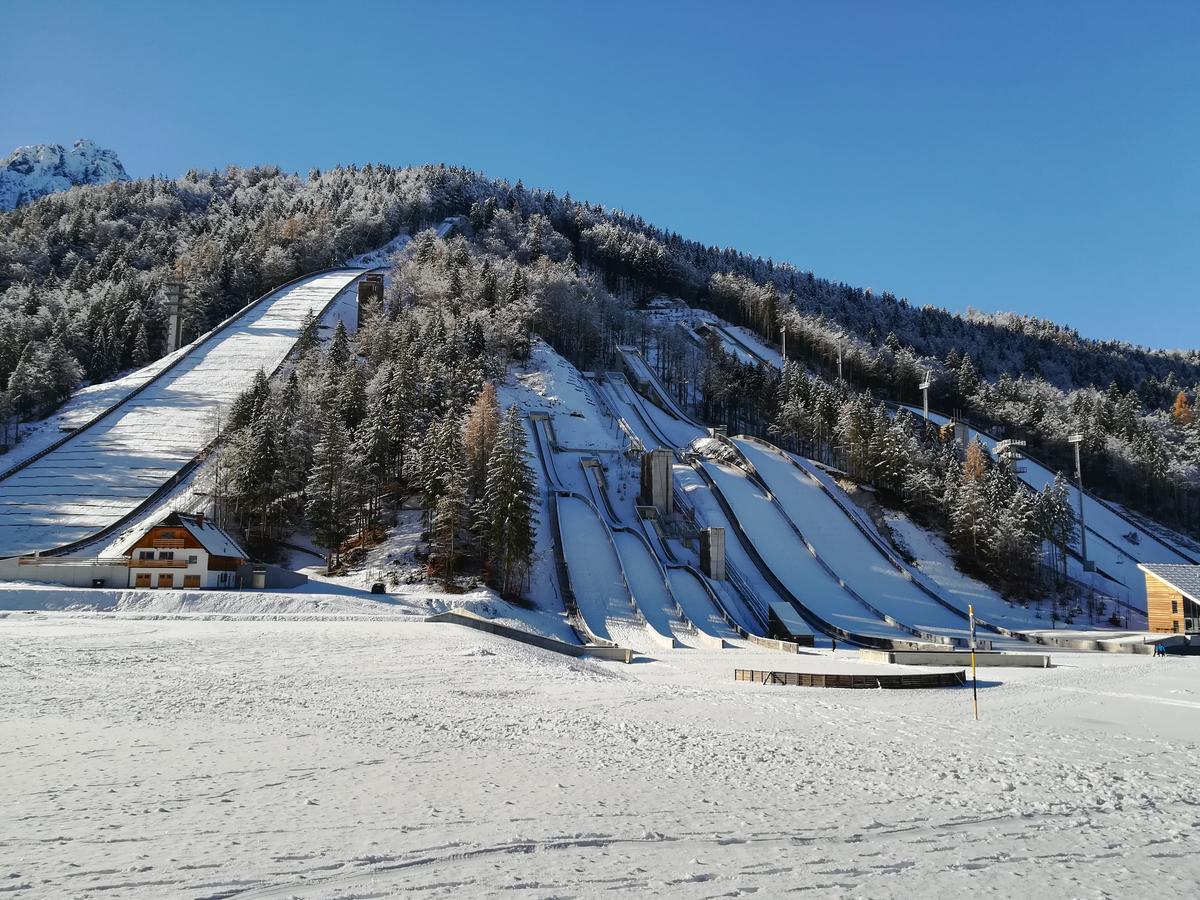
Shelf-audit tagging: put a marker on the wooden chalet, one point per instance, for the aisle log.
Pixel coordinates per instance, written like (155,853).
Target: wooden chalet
(184,551)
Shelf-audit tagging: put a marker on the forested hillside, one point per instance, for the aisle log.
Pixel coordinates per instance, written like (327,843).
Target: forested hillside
(81,276)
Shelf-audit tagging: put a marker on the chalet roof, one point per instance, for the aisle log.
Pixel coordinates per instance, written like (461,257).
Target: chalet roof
(1185,579)
(212,537)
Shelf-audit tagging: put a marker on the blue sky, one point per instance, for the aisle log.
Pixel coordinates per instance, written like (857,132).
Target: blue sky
(1039,157)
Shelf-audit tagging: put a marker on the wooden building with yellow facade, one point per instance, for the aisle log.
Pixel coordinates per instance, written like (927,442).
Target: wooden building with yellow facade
(1172,598)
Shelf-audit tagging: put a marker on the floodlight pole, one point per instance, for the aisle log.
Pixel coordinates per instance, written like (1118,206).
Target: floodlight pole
(925,385)
(1077,439)
(783,328)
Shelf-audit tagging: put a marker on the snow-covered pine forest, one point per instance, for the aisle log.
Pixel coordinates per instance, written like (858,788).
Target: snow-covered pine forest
(82,274)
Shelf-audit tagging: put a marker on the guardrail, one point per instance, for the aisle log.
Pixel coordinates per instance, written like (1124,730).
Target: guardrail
(668,403)
(470,620)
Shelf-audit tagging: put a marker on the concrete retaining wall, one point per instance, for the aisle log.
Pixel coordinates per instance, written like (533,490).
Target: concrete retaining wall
(772,644)
(65,571)
(276,576)
(470,620)
(954,658)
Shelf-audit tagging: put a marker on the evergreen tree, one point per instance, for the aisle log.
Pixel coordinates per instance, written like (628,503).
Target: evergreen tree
(966,379)
(61,372)
(450,517)
(1057,523)
(352,397)
(254,473)
(509,503)
(330,488)
(26,386)
(338,356)
(309,336)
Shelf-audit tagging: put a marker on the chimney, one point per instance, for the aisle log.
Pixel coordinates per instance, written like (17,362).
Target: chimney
(200,519)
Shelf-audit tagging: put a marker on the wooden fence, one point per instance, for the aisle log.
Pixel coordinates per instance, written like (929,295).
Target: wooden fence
(832,680)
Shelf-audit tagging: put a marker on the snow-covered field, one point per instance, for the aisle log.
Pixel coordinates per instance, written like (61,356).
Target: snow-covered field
(185,758)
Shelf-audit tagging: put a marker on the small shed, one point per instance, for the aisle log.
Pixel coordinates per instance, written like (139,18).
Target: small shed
(785,624)
(1172,598)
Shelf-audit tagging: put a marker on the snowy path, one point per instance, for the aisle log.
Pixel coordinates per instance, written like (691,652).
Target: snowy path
(845,548)
(104,472)
(635,410)
(652,425)
(791,562)
(643,570)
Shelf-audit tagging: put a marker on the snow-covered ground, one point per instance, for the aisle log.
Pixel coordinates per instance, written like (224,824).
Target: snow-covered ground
(185,758)
(381,256)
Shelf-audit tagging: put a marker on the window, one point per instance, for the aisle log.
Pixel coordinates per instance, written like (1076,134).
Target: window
(193,559)
(166,554)
(167,535)
(1174,626)
(145,554)
(1174,607)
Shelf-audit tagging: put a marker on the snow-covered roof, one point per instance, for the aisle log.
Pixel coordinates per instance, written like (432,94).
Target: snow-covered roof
(1185,579)
(212,537)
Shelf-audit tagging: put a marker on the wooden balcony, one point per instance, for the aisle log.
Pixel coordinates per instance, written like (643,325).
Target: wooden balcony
(158,564)
(167,543)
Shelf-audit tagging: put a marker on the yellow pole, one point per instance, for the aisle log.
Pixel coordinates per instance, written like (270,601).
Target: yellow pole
(974,680)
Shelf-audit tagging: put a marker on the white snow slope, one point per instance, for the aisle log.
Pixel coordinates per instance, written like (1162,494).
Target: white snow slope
(338,759)
(845,548)
(105,471)
(40,169)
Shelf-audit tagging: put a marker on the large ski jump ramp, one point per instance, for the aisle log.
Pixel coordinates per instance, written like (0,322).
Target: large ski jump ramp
(112,465)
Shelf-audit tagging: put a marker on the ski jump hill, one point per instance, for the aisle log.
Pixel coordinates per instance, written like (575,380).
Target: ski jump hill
(85,485)
(1115,542)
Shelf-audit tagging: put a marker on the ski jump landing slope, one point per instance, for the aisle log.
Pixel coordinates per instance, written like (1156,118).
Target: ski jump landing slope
(109,467)
(1115,555)
(845,548)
